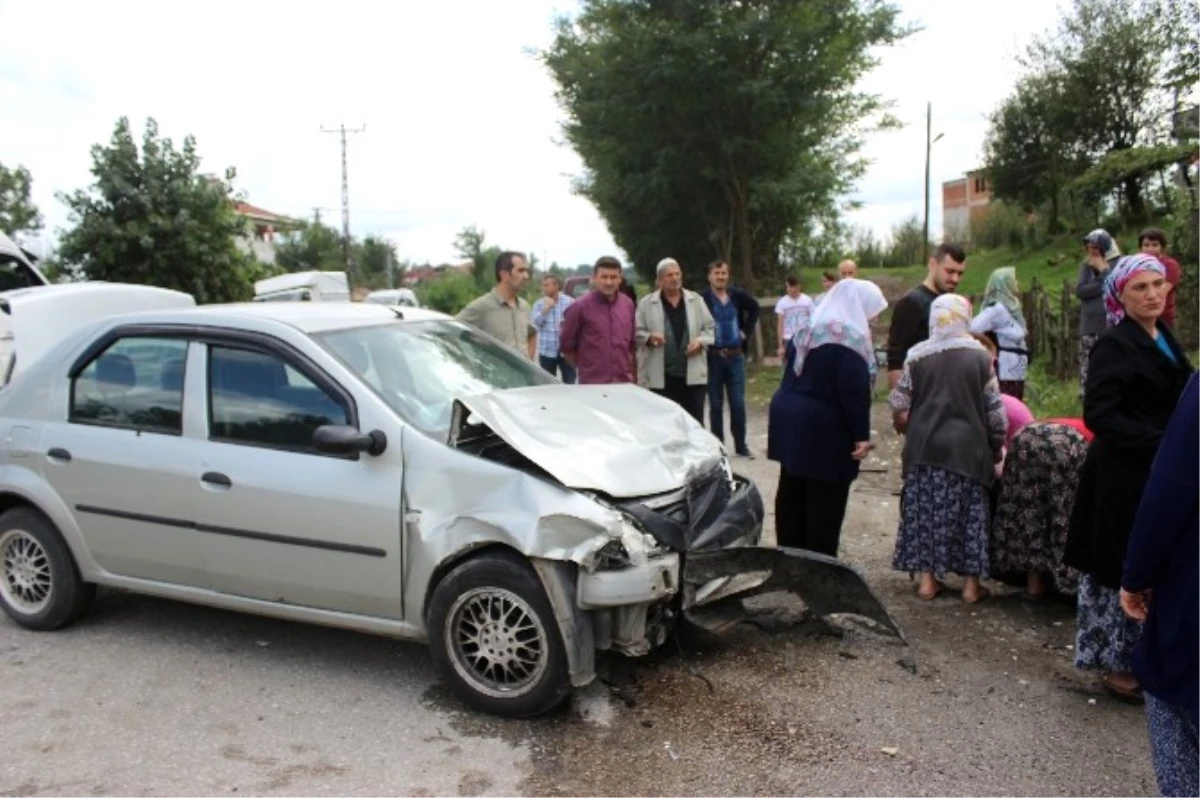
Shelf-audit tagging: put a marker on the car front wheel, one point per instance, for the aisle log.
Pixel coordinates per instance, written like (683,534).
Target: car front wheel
(494,638)
(40,586)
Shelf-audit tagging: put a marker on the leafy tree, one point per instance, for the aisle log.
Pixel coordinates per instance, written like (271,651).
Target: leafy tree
(716,129)
(150,217)
(449,293)
(1032,148)
(314,246)
(1112,63)
(377,263)
(18,214)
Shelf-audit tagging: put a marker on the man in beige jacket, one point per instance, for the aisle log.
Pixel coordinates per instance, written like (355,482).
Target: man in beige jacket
(673,328)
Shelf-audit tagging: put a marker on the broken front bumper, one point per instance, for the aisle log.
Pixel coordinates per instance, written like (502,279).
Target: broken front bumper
(716,582)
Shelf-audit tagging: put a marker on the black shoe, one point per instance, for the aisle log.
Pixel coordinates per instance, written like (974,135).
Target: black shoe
(746,453)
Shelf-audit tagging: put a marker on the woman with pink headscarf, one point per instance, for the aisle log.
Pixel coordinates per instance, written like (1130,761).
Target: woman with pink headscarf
(1135,376)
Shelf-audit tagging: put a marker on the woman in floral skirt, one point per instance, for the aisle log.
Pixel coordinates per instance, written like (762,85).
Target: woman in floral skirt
(948,405)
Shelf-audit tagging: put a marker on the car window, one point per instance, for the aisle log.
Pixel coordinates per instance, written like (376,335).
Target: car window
(137,383)
(420,368)
(257,398)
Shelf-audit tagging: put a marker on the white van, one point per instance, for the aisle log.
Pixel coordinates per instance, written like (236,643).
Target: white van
(403,297)
(311,286)
(34,319)
(16,267)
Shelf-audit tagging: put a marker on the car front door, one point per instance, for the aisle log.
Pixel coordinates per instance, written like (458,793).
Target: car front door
(289,524)
(123,460)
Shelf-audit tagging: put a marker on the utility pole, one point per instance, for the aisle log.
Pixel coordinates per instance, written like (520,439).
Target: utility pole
(929,142)
(342,130)
(928,148)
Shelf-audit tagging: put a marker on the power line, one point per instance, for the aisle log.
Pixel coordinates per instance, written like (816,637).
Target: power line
(342,130)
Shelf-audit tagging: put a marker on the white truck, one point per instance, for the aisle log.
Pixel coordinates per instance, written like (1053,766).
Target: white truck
(311,286)
(16,267)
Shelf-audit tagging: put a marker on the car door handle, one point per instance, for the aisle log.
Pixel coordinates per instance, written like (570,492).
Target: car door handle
(218,479)
(59,453)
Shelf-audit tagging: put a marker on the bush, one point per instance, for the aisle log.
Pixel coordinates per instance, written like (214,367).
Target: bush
(449,293)
(1005,226)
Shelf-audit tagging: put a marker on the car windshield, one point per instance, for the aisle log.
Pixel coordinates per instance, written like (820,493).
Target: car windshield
(419,368)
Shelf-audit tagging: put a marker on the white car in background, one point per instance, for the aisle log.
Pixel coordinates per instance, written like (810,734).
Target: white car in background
(391,472)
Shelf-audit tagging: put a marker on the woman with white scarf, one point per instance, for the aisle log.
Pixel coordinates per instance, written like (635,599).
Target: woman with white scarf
(948,405)
(819,427)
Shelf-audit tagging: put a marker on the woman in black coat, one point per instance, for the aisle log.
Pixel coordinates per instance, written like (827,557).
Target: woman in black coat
(819,426)
(1136,374)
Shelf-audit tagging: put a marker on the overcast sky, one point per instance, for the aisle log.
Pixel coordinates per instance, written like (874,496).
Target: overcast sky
(461,122)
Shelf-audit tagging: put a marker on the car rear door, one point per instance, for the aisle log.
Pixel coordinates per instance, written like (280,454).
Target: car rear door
(289,524)
(122,462)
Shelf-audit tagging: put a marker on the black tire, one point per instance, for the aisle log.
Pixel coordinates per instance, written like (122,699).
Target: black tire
(40,587)
(505,591)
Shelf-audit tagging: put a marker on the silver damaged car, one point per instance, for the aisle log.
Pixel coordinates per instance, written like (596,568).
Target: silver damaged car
(388,470)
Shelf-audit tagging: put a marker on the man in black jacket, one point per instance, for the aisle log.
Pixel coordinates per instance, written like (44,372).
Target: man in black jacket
(735,313)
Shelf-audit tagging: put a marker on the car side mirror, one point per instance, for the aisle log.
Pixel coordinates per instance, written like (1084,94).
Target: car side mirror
(344,439)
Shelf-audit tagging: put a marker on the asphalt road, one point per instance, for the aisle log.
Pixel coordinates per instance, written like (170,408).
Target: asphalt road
(152,697)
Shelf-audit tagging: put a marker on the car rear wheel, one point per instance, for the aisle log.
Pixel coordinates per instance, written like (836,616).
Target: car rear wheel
(494,638)
(40,586)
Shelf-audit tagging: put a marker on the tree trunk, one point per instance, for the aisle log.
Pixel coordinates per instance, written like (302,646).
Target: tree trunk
(1133,199)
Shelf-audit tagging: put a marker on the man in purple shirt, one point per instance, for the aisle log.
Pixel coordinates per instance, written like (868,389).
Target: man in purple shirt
(598,330)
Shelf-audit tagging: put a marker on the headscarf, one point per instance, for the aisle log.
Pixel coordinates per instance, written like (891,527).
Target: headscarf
(1119,276)
(843,318)
(1002,290)
(949,328)
(1101,240)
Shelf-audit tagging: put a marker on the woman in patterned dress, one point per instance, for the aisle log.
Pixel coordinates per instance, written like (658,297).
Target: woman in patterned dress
(1136,374)
(948,405)
(1029,527)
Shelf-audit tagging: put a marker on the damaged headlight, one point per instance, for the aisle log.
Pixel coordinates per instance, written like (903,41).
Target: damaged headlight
(612,556)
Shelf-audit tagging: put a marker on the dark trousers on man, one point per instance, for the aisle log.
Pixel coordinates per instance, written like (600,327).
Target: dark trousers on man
(809,513)
(727,376)
(689,397)
(553,364)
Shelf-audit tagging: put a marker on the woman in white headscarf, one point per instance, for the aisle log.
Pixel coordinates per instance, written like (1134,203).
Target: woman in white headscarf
(948,405)
(820,418)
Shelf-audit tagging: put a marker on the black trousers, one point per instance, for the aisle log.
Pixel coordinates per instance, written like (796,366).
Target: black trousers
(809,513)
(689,397)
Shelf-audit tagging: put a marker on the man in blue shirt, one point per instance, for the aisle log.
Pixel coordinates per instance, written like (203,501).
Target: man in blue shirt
(547,318)
(735,313)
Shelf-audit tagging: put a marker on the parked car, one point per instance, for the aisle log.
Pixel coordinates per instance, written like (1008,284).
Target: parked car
(338,464)
(310,286)
(401,297)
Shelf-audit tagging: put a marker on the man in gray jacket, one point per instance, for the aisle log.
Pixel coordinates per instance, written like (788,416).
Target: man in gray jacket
(673,328)
(1102,250)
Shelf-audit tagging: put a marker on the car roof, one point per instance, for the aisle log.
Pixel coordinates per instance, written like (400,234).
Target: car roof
(308,317)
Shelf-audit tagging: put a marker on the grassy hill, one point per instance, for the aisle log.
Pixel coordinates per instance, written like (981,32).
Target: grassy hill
(1052,263)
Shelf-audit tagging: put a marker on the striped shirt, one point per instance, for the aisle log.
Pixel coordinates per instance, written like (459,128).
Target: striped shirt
(549,324)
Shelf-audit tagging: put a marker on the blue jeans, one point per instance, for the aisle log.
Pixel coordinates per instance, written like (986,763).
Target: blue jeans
(1172,747)
(553,364)
(727,375)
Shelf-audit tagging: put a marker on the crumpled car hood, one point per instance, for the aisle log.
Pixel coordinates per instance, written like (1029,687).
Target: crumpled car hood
(620,440)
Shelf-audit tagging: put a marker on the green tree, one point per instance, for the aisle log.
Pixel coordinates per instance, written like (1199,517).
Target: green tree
(1113,61)
(18,214)
(449,293)
(150,217)
(314,246)
(471,244)
(377,264)
(715,129)
(1032,148)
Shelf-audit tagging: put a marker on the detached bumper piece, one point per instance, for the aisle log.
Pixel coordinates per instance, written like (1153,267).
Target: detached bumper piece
(715,582)
(711,513)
